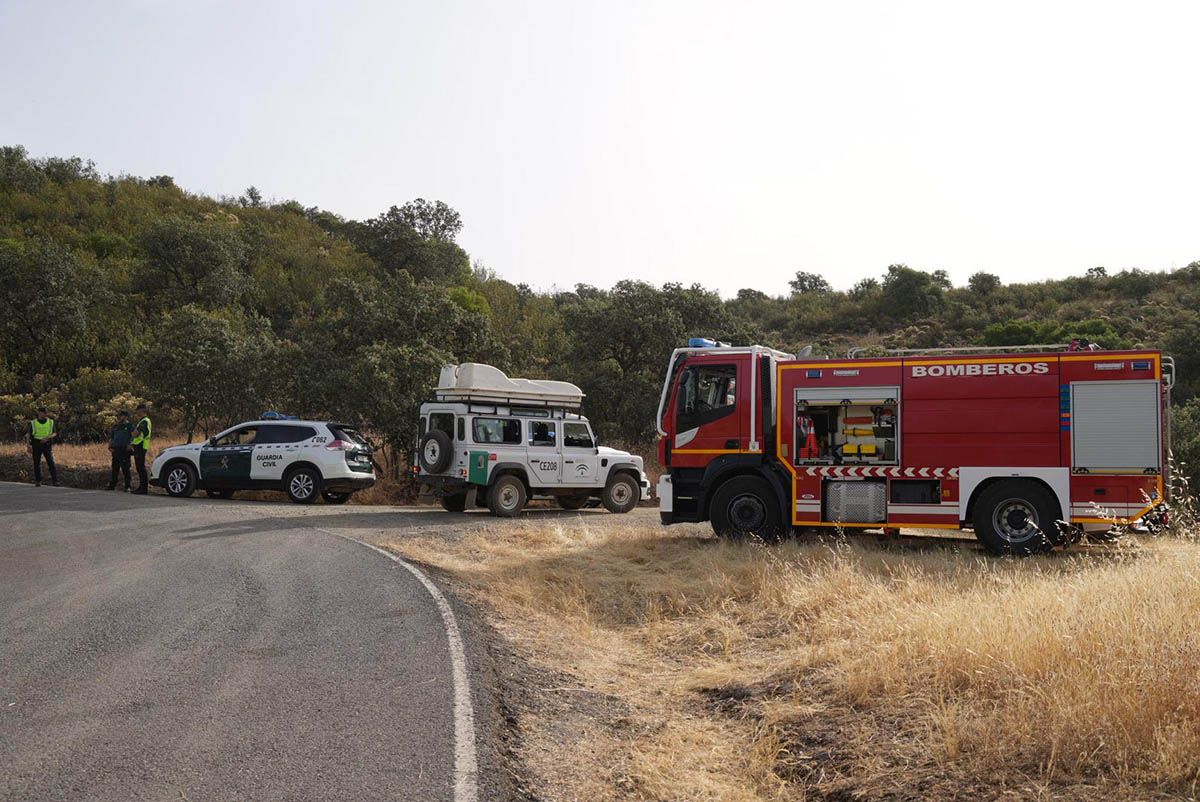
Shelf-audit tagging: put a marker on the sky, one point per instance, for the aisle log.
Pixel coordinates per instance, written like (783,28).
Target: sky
(729,144)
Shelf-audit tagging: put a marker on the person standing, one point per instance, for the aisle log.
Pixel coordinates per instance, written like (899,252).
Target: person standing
(120,438)
(41,444)
(141,445)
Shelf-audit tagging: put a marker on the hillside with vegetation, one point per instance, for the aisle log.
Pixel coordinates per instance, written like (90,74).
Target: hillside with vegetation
(114,288)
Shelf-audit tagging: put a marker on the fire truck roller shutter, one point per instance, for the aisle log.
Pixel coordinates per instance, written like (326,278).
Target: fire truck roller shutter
(1115,426)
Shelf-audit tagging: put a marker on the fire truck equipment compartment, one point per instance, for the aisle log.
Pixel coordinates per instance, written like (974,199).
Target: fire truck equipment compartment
(855,501)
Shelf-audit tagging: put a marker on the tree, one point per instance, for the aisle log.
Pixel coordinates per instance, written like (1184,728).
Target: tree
(909,294)
(43,305)
(983,283)
(1097,273)
(805,283)
(435,221)
(622,339)
(214,368)
(192,262)
(417,238)
(864,288)
(252,198)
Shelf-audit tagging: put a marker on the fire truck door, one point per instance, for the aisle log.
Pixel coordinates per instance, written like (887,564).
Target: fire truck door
(705,410)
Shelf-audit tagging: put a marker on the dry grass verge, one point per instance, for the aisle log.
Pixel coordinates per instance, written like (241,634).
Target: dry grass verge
(687,668)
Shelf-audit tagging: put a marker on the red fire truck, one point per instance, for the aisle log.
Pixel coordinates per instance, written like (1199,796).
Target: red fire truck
(1027,446)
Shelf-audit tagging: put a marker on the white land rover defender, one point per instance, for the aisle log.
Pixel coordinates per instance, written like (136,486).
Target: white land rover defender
(495,441)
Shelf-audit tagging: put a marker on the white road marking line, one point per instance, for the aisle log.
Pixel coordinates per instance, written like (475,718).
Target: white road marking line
(466,767)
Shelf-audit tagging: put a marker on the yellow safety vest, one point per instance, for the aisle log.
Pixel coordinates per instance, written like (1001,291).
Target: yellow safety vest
(42,430)
(138,438)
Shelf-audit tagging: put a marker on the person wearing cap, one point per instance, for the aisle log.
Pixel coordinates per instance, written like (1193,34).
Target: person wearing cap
(42,432)
(141,445)
(120,438)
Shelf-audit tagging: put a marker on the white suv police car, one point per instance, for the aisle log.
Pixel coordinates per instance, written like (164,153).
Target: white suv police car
(495,441)
(304,459)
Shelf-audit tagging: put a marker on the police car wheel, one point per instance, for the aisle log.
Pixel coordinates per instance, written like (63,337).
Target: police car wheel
(745,506)
(435,451)
(572,502)
(180,480)
(507,497)
(303,485)
(1015,516)
(621,494)
(334,498)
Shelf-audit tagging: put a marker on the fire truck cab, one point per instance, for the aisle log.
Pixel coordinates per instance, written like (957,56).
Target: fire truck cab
(1026,446)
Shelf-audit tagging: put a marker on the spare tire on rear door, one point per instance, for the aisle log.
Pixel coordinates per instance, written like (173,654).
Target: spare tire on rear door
(435,452)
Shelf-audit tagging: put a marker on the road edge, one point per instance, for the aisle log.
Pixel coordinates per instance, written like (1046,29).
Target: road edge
(466,763)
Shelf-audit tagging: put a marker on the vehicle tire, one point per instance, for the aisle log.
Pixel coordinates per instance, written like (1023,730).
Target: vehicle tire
(222,494)
(507,497)
(621,494)
(1015,516)
(180,479)
(455,503)
(332,497)
(435,452)
(302,485)
(572,502)
(746,506)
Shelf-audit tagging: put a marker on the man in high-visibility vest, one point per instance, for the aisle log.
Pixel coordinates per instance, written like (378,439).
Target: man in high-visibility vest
(141,444)
(41,441)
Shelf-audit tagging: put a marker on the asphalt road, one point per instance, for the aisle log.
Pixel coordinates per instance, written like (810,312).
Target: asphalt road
(153,648)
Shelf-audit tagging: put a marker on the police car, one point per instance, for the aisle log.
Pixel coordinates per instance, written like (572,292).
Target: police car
(488,440)
(304,459)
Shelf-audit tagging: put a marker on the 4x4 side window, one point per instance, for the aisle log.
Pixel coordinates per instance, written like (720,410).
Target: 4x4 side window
(498,431)
(542,433)
(577,435)
(706,393)
(281,433)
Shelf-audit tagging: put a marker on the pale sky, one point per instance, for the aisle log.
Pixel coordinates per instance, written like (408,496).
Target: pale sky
(725,143)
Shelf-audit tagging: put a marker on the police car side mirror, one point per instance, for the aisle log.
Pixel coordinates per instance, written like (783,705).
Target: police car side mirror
(212,441)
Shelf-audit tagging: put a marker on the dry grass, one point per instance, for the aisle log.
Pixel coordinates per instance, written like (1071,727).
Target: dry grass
(741,672)
(89,454)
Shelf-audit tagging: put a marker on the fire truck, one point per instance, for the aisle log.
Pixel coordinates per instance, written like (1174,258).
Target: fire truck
(1030,447)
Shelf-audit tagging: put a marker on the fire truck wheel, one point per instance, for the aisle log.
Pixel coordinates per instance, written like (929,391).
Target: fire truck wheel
(621,494)
(1015,516)
(455,503)
(745,506)
(435,451)
(507,496)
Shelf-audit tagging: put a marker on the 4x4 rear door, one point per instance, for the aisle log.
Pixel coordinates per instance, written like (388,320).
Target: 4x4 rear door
(545,461)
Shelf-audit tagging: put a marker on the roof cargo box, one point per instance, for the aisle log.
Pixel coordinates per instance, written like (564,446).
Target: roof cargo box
(472,381)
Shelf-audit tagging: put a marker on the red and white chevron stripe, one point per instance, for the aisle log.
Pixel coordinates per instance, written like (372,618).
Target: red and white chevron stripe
(840,471)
